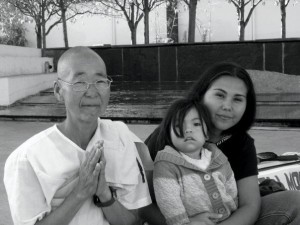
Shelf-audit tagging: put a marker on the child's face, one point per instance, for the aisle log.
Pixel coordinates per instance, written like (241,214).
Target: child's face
(194,138)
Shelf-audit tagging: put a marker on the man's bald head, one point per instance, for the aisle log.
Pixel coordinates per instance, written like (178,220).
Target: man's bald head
(74,55)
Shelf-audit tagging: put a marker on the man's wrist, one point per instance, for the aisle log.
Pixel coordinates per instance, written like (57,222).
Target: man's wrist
(108,200)
(106,195)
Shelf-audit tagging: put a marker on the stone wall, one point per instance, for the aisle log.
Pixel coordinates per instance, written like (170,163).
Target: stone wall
(23,72)
(185,62)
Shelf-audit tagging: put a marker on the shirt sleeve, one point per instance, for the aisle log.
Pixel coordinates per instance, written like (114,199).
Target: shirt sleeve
(248,160)
(167,193)
(25,196)
(134,196)
(230,184)
(241,153)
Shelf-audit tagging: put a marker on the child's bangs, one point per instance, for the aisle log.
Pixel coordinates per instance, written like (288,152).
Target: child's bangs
(177,120)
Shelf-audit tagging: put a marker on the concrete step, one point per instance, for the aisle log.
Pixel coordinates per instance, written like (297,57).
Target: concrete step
(148,102)
(151,112)
(47,97)
(17,87)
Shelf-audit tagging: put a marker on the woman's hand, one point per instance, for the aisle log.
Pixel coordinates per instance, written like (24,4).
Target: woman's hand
(89,173)
(205,219)
(103,191)
(249,203)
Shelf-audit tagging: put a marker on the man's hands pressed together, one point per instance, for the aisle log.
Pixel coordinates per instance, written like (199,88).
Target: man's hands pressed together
(89,172)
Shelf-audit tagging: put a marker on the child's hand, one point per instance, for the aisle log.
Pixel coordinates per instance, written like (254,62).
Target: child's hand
(205,218)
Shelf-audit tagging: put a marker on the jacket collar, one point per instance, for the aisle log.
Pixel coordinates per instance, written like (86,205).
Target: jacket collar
(169,154)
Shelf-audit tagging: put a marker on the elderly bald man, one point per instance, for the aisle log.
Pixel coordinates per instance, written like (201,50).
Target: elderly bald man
(85,170)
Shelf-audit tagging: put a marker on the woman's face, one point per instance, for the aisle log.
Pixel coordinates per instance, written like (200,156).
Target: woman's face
(226,100)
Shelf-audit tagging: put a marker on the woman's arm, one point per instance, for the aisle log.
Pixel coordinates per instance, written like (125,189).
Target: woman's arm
(152,215)
(249,203)
(117,214)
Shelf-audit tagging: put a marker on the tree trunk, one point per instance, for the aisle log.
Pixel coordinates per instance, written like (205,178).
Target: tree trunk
(64,23)
(38,31)
(283,19)
(241,21)
(192,20)
(44,35)
(172,21)
(241,31)
(146,22)
(43,24)
(131,26)
(133,36)
(65,30)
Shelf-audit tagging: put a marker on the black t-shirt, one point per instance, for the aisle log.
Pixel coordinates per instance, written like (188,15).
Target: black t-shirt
(152,144)
(241,154)
(239,149)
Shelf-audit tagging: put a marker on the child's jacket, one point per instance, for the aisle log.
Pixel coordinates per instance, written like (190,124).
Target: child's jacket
(183,190)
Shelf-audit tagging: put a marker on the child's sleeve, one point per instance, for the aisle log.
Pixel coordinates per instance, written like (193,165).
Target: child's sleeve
(167,193)
(230,185)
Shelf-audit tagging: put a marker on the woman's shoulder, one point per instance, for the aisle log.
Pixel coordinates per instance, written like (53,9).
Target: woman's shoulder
(238,140)
(242,137)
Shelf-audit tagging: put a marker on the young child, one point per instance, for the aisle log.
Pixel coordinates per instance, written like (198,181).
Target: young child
(190,179)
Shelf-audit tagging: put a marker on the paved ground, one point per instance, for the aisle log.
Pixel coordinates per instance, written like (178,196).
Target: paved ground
(12,134)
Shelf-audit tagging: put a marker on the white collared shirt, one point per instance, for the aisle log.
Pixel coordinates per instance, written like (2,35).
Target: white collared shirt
(43,171)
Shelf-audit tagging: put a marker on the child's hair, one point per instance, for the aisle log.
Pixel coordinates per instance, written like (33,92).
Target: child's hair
(175,116)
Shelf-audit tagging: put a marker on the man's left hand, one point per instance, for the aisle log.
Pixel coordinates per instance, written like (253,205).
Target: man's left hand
(103,191)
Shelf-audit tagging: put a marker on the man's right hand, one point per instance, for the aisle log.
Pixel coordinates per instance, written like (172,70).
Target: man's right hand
(88,174)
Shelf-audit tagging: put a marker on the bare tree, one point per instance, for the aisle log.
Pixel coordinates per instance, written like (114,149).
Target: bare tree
(172,21)
(242,18)
(132,11)
(62,5)
(283,4)
(148,6)
(192,5)
(68,10)
(44,11)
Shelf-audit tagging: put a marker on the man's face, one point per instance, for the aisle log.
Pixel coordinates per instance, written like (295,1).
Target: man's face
(85,106)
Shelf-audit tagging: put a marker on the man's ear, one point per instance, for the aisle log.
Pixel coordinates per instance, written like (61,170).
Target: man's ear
(58,91)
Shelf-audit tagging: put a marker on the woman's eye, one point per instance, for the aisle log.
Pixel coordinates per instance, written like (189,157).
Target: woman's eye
(220,95)
(197,124)
(238,100)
